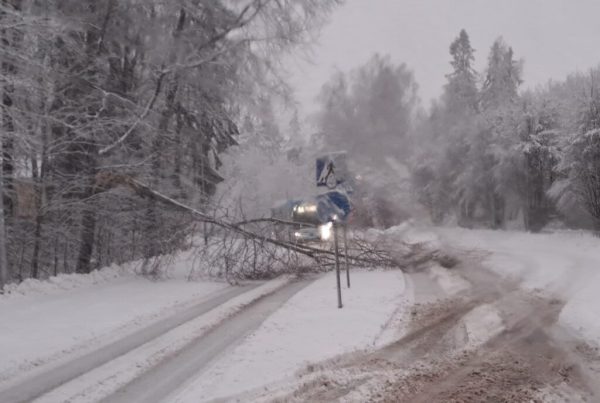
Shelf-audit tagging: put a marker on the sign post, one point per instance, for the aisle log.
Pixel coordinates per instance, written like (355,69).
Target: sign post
(346,254)
(337,264)
(332,172)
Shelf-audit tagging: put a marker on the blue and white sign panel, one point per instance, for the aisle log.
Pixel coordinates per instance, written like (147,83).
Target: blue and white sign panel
(332,170)
(333,206)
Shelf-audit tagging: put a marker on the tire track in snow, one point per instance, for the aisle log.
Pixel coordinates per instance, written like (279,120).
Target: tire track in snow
(516,361)
(35,386)
(164,379)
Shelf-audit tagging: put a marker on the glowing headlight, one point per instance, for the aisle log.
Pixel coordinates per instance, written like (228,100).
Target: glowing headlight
(325,231)
(310,208)
(297,234)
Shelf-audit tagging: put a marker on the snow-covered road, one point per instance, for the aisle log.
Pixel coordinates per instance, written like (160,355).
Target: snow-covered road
(566,264)
(520,308)
(50,322)
(160,381)
(148,341)
(308,328)
(43,382)
(514,321)
(217,346)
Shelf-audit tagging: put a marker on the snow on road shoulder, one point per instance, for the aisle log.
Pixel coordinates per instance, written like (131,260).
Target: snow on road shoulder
(46,322)
(64,282)
(566,264)
(581,314)
(308,328)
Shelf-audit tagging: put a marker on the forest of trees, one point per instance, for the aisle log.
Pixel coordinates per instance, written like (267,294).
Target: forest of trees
(368,112)
(486,154)
(97,92)
(492,155)
(100,96)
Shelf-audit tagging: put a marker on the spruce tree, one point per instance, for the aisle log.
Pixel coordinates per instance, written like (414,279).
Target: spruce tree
(503,76)
(461,89)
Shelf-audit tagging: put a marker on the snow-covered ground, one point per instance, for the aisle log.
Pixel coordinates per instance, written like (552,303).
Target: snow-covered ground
(308,328)
(566,263)
(47,321)
(105,380)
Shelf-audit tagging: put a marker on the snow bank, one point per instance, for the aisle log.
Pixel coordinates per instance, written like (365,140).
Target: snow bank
(565,263)
(64,282)
(308,328)
(178,266)
(582,312)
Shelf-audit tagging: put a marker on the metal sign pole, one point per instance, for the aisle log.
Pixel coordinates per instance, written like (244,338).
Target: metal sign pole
(337,264)
(346,254)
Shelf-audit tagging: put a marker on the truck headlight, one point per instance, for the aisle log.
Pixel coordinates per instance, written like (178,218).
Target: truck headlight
(325,231)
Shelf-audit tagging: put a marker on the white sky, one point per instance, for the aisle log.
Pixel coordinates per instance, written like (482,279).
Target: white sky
(554,37)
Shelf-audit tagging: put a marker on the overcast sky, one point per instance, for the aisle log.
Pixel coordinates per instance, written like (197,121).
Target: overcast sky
(553,37)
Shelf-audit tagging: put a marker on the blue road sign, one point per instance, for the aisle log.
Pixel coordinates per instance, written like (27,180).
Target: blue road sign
(334,206)
(331,170)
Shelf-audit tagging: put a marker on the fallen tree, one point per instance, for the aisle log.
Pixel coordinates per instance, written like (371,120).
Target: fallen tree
(235,247)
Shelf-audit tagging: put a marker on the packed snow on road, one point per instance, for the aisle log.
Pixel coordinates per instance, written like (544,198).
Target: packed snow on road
(394,325)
